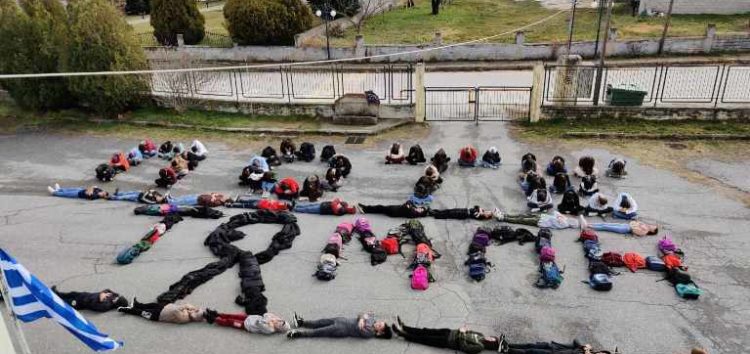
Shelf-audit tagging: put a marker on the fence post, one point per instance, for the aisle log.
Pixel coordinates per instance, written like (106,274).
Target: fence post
(180,40)
(708,43)
(420,94)
(476,105)
(537,93)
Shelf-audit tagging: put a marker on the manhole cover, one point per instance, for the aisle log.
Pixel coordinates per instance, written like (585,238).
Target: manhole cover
(677,146)
(355,140)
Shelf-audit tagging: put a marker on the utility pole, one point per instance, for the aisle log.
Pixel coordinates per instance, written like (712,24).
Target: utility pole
(600,69)
(666,27)
(572,25)
(599,26)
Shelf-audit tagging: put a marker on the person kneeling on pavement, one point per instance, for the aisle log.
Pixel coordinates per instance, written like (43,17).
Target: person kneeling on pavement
(363,326)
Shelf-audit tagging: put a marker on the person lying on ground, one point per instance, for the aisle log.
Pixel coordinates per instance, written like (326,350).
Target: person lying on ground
(251,202)
(627,208)
(406,210)
(491,158)
(311,188)
(269,323)
(364,326)
(287,188)
(440,160)
(149,196)
(288,150)
(616,168)
(90,193)
(557,165)
(552,220)
(421,196)
(207,199)
(570,204)
(461,339)
(170,313)
(552,348)
(333,180)
(342,164)
(336,207)
(635,228)
(598,204)
(539,200)
(586,167)
(467,157)
(395,155)
(560,183)
(416,155)
(474,212)
(102,301)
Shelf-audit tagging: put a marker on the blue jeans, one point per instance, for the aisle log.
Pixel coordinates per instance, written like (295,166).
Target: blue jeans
(611,227)
(184,200)
(267,186)
(246,202)
(307,208)
(463,163)
(620,215)
(131,196)
(486,164)
(68,192)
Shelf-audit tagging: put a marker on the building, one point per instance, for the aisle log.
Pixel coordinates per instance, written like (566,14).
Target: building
(686,7)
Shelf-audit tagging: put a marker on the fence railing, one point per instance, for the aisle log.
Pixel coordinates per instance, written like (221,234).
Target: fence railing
(477,103)
(211,39)
(392,83)
(706,85)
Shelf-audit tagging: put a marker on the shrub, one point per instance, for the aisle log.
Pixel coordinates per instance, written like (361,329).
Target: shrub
(31,43)
(266,22)
(137,7)
(101,40)
(170,17)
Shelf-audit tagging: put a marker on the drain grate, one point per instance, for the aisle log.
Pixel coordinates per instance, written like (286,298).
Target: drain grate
(353,140)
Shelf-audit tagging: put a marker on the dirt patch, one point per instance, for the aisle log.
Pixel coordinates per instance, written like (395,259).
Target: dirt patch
(667,155)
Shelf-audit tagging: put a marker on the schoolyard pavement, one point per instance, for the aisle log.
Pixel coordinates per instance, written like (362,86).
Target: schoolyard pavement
(72,244)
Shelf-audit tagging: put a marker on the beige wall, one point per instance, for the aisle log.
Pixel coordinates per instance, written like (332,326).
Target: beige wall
(698,6)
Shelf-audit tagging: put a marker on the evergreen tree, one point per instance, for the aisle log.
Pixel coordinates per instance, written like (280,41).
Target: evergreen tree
(266,22)
(170,17)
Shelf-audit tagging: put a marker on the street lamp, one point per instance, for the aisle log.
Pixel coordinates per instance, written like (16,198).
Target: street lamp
(328,15)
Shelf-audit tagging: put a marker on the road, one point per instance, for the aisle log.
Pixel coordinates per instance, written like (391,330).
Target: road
(72,244)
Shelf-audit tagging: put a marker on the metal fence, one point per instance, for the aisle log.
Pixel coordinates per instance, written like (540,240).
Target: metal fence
(484,103)
(392,83)
(675,85)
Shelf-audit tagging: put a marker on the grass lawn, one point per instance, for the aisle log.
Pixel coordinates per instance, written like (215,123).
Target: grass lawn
(469,19)
(557,127)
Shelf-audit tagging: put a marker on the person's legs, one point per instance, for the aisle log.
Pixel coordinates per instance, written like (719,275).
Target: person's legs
(611,227)
(374,209)
(625,216)
(184,200)
(307,208)
(427,336)
(545,207)
(231,320)
(131,196)
(67,192)
(318,323)
(522,219)
(245,202)
(67,297)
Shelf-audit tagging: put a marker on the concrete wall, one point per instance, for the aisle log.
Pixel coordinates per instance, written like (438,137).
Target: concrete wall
(476,52)
(726,7)
(649,113)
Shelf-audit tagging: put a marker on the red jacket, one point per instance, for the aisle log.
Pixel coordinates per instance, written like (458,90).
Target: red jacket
(468,156)
(119,162)
(273,205)
(292,187)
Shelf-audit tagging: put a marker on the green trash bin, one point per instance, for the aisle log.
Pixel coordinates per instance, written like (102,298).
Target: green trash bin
(624,95)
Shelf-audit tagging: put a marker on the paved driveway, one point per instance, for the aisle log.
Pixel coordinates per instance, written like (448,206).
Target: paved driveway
(72,243)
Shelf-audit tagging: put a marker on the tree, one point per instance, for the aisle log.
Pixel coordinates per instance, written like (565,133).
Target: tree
(368,9)
(170,17)
(344,7)
(137,7)
(30,37)
(101,40)
(435,7)
(266,22)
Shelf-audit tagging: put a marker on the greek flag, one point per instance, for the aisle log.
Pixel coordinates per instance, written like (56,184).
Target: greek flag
(32,300)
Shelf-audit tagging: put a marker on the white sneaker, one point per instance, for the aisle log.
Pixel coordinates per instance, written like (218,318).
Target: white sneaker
(57,186)
(51,190)
(498,214)
(582,222)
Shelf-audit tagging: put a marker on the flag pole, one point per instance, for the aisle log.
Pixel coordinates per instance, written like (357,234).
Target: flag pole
(20,337)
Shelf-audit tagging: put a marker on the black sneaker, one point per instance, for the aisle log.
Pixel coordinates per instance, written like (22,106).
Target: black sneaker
(298,321)
(292,334)
(397,330)
(211,315)
(503,346)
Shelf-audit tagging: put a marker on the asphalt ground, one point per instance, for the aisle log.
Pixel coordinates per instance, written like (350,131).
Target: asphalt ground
(72,244)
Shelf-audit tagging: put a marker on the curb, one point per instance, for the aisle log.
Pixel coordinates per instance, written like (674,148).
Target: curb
(264,131)
(594,135)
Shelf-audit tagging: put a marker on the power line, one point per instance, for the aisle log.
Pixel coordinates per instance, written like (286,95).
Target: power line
(275,65)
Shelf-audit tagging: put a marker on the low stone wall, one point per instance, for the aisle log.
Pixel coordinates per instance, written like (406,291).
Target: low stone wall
(405,111)
(724,7)
(648,113)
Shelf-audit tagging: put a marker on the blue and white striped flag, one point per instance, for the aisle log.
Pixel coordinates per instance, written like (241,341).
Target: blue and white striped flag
(32,300)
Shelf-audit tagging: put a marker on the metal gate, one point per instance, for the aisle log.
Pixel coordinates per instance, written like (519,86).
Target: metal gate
(485,103)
